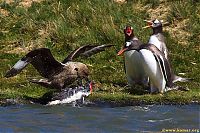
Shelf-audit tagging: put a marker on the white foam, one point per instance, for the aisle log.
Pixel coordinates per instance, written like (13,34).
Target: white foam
(76,96)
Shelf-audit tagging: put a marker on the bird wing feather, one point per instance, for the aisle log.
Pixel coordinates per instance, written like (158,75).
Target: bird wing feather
(85,51)
(42,60)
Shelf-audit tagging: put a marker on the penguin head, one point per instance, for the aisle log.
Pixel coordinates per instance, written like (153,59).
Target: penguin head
(153,23)
(156,23)
(128,31)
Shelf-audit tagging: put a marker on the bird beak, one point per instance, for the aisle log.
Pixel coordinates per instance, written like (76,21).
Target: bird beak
(91,87)
(149,24)
(121,51)
(129,34)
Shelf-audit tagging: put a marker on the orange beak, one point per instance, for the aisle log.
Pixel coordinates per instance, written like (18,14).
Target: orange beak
(149,24)
(121,51)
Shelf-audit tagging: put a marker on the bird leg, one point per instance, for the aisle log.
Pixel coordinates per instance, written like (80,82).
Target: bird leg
(42,82)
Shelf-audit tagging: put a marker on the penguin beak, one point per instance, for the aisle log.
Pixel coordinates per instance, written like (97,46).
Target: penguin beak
(129,33)
(149,24)
(122,51)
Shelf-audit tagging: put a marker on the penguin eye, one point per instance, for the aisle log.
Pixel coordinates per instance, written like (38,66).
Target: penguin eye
(131,28)
(128,44)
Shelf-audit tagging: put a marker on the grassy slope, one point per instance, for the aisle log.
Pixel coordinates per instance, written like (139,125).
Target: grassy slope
(65,25)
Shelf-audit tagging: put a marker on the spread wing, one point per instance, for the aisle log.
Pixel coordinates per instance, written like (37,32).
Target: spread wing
(77,52)
(42,60)
(86,51)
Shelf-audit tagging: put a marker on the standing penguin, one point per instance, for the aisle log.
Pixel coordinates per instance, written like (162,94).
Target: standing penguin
(132,64)
(158,39)
(154,65)
(158,69)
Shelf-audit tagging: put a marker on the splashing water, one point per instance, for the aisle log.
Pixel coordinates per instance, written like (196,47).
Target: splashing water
(77,96)
(71,95)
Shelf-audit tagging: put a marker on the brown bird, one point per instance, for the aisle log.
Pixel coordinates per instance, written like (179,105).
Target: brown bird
(56,74)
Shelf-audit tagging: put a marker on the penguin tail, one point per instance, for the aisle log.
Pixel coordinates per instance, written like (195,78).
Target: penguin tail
(181,79)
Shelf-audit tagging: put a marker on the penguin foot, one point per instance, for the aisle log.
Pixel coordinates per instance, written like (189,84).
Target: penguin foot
(181,88)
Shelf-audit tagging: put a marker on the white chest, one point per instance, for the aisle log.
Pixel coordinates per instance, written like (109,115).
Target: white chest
(155,41)
(154,71)
(133,63)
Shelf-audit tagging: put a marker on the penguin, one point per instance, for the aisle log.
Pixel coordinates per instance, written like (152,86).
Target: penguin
(155,66)
(132,59)
(158,39)
(57,75)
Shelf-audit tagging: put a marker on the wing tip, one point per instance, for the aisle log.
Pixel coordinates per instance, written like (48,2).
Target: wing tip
(12,72)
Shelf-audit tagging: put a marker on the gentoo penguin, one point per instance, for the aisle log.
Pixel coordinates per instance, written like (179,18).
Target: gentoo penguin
(132,64)
(56,74)
(158,39)
(73,95)
(155,66)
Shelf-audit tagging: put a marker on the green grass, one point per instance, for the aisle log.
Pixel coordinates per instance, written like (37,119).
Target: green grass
(65,25)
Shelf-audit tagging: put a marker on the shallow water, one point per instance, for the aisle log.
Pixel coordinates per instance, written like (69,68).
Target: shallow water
(63,118)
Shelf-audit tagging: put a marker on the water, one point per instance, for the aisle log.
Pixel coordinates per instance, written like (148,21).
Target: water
(62,118)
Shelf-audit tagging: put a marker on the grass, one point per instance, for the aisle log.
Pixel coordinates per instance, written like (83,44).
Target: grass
(65,25)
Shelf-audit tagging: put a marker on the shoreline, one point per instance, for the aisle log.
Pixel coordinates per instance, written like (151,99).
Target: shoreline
(97,101)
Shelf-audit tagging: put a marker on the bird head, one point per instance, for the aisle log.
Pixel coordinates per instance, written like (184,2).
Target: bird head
(128,31)
(153,23)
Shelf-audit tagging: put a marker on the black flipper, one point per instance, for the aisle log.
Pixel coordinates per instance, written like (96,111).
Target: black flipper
(164,63)
(41,59)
